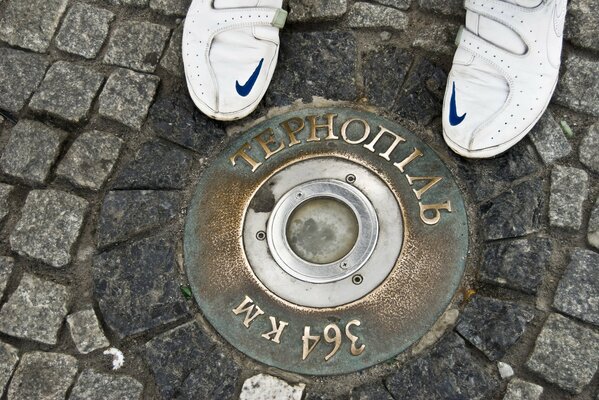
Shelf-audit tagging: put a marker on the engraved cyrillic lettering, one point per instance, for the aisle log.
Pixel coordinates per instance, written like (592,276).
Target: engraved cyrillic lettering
(265,139)
(307,348)
(436,210)
(247,306)
(396,141)
(292,132)
(277,330)
(364,135)
(245,157)
(402,164)
(432,181)
(329,126)
(355,351)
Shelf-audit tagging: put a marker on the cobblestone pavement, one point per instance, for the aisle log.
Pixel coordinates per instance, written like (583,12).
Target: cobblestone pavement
(101,148)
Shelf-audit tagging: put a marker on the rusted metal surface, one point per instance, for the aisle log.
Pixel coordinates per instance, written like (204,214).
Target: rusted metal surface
(393,316)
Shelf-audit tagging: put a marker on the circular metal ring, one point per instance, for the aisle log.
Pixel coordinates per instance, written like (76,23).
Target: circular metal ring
(339,269)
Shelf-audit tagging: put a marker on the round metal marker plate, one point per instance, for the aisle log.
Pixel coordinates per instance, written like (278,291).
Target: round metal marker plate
(325,241)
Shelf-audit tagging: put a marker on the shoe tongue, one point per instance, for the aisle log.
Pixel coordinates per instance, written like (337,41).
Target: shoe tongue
(497,33)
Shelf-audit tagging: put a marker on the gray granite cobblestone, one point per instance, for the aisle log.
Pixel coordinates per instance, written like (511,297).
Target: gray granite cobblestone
(90,159)
(67,91)
(315,10)
(549,139)
(35,311)
(438,38)
(86,331)
(578,291)
(589,148)
(100,386)
(5,192)
(31,24)
(366,15)
(518,389)
(569,190)
(127,96)
(42,375)
(84,30)
(9,357)
(49,226)
(593,232)
(172,60)
(137,45)
(170,7)
(382,89)
(374,391)
(566,353)
(31,151)
(581,23)
(20,75)
(6,266)
(448,7)
(578,87)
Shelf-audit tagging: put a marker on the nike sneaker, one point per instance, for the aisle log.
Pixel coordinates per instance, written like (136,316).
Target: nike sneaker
(504,73)
(230,50)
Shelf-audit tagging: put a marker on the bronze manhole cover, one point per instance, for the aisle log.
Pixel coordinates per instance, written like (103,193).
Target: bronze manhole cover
(325,241)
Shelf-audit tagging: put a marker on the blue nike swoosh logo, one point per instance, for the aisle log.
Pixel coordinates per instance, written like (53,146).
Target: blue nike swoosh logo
(246,88)
(454,118)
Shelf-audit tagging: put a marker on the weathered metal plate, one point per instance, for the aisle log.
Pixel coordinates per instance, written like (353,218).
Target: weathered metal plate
(367,331)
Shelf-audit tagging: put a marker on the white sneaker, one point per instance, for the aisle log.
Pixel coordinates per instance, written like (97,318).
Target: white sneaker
(504,73)
(230,51)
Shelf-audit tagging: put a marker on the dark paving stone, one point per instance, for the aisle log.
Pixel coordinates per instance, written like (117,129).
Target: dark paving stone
(582,22)
(382,87)
(127,213)
(20,75)
(493,326)
(566,353)
(31,151)
(137,45)
(86,331)
(516,264)
(156,166)
(50,224)
(35,311)
(31,24)
(549,139)
(170,7)
(173,355)
(5,192)
(99,386)
(373,391)
(589,149)
(6,266)
(569,190)
(421,97)
(133,3)
(578,87)
(314,64)
(321,396)
(315,10)
(448,7)
(366,15)
(448,372)
(136,286)
(84,30)
(90,159)
(127,97)
(67,91)
(578,289)
(176,118)
(216,378)
(9,357)
(43,376)
(172,60)
(401,4)
(517,212)
(593,232)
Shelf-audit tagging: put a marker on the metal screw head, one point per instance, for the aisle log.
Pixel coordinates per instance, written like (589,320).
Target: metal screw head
(351,179)
(261,235)
(299,195)
(357,279)
(344,265)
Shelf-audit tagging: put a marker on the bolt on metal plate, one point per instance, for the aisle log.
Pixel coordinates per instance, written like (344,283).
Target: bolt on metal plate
(320,315)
